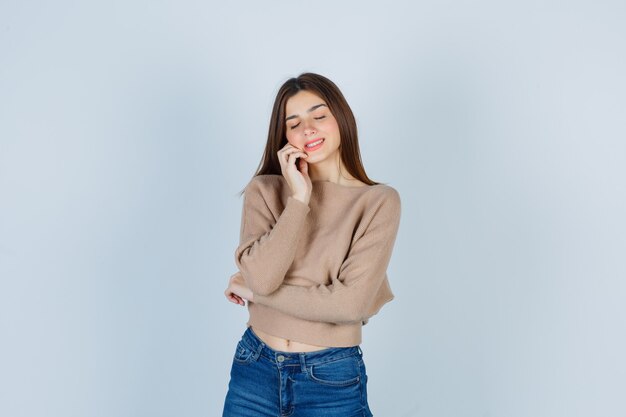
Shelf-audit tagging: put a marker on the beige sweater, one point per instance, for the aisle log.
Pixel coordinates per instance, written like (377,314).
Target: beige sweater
(318,272)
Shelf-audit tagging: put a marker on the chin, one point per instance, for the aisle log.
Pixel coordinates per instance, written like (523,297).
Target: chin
(313,157)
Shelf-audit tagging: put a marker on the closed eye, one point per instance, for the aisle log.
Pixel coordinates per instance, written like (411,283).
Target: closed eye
(316,118)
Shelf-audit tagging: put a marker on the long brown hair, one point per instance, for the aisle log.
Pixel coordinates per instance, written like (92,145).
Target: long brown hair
(330,93)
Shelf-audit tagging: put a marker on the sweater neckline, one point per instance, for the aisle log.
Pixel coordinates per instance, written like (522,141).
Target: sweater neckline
(334,184)
(328,184)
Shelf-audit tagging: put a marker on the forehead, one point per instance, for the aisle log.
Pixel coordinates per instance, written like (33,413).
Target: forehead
(301,102)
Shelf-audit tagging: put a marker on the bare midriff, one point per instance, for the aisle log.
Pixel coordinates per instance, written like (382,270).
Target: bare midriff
(285,345)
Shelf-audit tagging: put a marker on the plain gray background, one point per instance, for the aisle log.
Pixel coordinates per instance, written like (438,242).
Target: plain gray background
(128,127)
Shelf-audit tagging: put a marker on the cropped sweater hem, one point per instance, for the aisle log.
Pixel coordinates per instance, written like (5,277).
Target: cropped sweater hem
(314,332)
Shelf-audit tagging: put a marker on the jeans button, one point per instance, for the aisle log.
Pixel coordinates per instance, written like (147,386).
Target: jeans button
(280,358)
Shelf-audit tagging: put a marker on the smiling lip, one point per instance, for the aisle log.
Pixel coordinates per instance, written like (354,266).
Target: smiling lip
(311,141)
(316,147)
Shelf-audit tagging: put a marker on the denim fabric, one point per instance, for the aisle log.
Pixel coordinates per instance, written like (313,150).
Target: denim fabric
(269,383)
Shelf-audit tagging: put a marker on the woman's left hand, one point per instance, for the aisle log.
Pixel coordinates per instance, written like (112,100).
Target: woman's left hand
(237,289)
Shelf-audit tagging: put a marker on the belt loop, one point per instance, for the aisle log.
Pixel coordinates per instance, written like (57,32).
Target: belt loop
(259,348)
(360,351)
(302,362)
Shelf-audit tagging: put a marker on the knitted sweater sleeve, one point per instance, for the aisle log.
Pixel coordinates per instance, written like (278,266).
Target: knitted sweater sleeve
(267,245)
(350,297)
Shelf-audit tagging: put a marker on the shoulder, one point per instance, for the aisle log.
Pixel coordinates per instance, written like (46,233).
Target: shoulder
(265,182)
(381,213)
(383,205)
(384,194)
(267,187)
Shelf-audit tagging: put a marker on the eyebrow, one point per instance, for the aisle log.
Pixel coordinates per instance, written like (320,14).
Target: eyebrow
(293,116)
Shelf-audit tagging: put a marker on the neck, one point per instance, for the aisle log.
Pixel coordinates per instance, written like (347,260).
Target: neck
(332,170)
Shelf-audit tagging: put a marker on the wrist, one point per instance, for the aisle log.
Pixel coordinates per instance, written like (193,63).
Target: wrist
(301,198)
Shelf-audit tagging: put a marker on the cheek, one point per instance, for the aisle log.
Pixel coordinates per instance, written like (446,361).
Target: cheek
(292,140)
(331,126)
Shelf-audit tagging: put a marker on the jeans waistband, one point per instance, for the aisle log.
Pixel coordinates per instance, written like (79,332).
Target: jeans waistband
(295,358)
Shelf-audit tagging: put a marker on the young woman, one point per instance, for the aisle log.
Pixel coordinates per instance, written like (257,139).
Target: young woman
(315,242)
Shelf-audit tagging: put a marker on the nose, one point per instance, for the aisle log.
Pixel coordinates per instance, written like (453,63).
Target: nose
(309,130)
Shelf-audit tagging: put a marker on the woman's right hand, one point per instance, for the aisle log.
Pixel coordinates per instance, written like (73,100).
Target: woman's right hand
(297,177)
(237,290)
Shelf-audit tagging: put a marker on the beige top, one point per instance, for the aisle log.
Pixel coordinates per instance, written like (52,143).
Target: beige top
(318,272)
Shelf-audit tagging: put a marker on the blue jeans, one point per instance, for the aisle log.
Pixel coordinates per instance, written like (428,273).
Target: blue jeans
(269,383)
